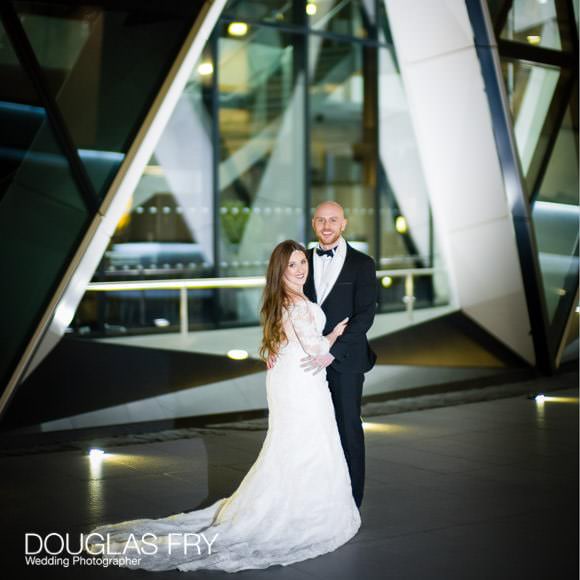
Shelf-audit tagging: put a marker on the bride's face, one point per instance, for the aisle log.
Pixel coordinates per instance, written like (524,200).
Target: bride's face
(296,271)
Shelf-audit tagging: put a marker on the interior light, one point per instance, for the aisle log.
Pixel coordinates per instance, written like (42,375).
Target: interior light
(155,170)
(238,29)
(382,428)
(401,224)
(534,38)
(578,309)
(311,9)
(387,282)
(161,322)
(238,354)
(205,69)
(96,453)
(540,398)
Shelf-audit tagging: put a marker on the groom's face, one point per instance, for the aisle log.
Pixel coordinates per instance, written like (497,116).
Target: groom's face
(328,223)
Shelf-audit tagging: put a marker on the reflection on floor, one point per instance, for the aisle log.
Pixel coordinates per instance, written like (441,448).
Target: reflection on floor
(475,491)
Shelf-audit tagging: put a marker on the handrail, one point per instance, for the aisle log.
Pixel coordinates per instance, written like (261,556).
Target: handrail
(225,282)
(185,284)
(178,284)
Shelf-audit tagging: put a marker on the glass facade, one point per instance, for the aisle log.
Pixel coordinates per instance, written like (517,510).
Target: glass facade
(533,22)
(292,103)
(538,46)
(85,51)
(42,211)
(77,81)
(531,88)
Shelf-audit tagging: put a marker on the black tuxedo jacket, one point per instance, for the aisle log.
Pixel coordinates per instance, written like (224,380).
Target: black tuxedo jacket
(354,295)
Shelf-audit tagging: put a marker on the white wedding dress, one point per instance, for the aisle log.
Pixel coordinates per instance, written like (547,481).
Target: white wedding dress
(295,502)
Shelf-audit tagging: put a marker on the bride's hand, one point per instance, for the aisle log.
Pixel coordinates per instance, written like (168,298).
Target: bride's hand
(271,361)
(339,328)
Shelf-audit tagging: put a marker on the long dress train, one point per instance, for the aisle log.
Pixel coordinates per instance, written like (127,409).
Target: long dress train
(294,503)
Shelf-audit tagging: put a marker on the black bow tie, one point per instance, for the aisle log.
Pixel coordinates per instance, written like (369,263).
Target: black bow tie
(329,253)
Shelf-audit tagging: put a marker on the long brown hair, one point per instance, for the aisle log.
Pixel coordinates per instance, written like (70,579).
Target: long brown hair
(276,297)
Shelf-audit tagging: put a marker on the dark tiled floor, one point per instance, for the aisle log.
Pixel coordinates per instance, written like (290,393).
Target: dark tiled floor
(477,491)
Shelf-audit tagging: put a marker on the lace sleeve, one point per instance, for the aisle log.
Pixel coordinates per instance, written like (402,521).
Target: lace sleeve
(304,326)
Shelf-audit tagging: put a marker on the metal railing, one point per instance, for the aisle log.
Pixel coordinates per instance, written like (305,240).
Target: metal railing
(246,282)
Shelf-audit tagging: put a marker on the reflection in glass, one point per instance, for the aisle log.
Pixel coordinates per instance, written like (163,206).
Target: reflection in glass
(531,88)
(560,183)
(104,65)
(343,139)
(42,213)
(555,215)
(261,176)
(383,28)
(345,17)
(404,194)
(133,312)
(227,180)
(263,10)
(167,229)
(533,22)
(405,217)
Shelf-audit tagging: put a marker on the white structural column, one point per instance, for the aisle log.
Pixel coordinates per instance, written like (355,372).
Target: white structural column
(451,116)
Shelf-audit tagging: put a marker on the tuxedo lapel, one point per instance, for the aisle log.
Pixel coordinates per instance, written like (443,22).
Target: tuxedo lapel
(310,287)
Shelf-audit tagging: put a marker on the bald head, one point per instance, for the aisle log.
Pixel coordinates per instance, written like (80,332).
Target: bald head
(332,206)
(328,223)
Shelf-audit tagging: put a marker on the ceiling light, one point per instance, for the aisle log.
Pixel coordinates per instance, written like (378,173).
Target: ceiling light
(401,224)
(205,69)
(238,29)
(311,9)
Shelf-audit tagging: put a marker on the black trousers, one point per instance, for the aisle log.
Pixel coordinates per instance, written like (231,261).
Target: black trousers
(346,392)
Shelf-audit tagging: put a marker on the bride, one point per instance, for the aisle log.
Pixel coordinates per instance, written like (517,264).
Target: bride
(296,501)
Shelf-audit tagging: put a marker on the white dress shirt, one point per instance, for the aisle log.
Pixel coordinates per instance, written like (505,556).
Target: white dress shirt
(327,269)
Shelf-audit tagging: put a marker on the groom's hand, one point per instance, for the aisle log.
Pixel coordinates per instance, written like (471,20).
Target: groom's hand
(316,363)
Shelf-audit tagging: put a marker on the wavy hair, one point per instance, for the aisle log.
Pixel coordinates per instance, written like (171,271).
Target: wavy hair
(276,297)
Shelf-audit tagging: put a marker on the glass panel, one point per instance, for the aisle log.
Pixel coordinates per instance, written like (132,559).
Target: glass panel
(345,17)
(343,137)
(167,230)
(555,215)
(104,65)
(261,175)
(42,214)
(405,214)
(135,312)
(283,12)
(533,22)
(384,29)
(530,89)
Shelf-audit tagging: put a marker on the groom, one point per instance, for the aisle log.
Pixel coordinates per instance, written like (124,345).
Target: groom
(343,282)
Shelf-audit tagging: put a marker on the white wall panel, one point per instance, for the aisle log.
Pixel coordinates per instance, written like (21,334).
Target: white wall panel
(452,121)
